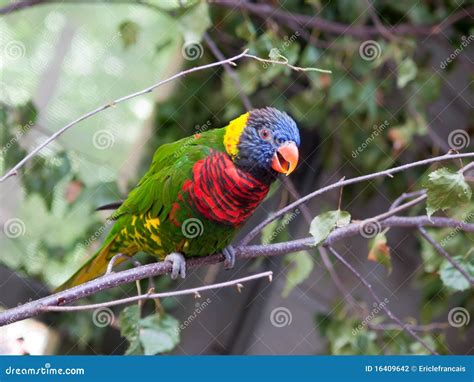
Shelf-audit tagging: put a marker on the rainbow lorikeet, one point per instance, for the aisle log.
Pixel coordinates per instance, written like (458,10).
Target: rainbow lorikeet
(199,191)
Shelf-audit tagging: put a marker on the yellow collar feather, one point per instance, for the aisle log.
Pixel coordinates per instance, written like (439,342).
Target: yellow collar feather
(233,131)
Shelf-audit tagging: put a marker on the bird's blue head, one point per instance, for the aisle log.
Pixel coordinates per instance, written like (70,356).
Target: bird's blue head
(263,142)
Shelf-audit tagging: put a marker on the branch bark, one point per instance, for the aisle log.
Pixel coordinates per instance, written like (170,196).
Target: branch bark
(445,254)
(229,61)
(290,19)
(112,280)
(336,28)
(379,301)
(150,295)
(344,182)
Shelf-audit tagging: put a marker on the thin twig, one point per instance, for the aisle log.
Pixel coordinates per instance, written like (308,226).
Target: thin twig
(445,254)
(230,71)
(416,328)
(333,27)
(285,62)
(396,210)
(254,232)
(149,89)
(337,281)
(379,301)
(115,279)
(267,11)
(229,61)
(324,255)
(466,168)
(152,296)
(405,196)
(378,23)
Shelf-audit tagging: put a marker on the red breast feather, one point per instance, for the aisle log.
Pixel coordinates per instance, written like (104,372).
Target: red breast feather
(223,193)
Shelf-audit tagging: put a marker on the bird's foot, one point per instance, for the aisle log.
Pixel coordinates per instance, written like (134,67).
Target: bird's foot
(178,263)
(229,254)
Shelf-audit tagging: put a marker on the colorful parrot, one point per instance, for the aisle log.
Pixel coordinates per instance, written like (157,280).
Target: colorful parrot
(198,192)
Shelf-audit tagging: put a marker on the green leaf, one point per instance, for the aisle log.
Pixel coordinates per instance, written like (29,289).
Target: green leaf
(301,265)
(159,334)
(452,278)
(129,33)
(446,189)
(323,224)
(129,322)
(151,335)
(406,72)
(379,251)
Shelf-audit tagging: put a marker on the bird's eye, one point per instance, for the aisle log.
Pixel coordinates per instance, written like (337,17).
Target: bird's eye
(265,134)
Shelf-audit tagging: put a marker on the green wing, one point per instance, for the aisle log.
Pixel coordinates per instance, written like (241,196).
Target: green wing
(171,166)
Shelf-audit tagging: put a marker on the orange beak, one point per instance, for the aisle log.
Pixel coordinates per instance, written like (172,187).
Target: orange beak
(285,158)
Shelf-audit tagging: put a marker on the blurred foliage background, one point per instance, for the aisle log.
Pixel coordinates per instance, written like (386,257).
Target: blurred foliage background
(392,98)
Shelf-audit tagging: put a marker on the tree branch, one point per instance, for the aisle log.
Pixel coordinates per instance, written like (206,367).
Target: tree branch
(336,28)
(228,68)
(268,11)
(379,301)
(112,280)
(396,210)
(445,254)
(405,196)
(254,232)
(416,328)
(228,61)
(151,296)
(149,89)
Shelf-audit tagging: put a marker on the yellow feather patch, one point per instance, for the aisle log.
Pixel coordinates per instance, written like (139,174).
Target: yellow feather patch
(149,223)
(156,239)
(233,131)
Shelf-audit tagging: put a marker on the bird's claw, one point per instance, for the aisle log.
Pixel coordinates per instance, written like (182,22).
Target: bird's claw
(178,265)
(229,254)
